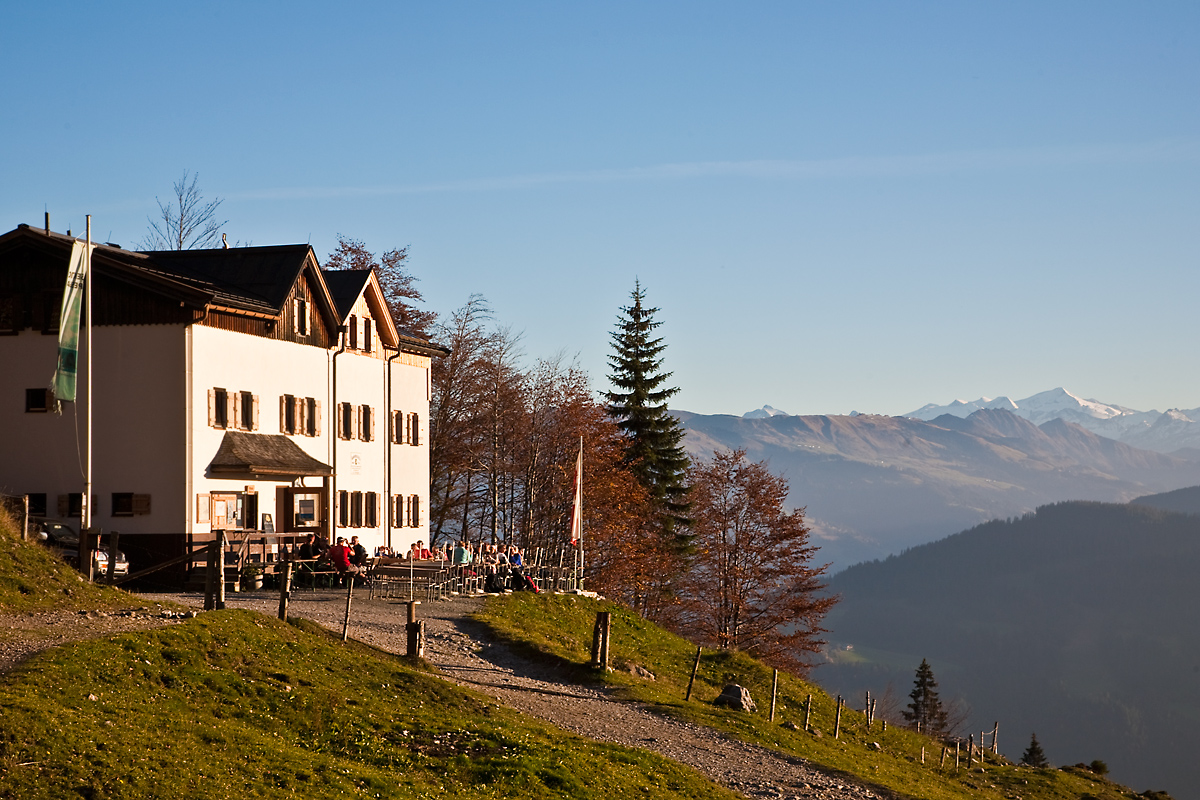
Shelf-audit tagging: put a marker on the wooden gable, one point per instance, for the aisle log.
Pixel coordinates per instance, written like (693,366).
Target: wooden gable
(33,273)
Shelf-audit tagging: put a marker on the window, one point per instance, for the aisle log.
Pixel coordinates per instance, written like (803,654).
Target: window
(218,408)
(8,314)
(51,311)
(248,408)
(312,417)
(37,504)
(398,510)
(287,414)
(368,345)
(343,510)
(345,421)
(414,511)
(366,428)
(353,332)
(371,510)
(37,401)
(70,505)
(122,504)
(397,427)
(301,312)
(356,509)
(128,504)
(414,429)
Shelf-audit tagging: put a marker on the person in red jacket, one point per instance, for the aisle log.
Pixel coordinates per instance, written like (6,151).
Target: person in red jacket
(339,557)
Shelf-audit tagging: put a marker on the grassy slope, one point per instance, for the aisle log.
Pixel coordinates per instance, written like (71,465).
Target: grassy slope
(560,628)
(234,704)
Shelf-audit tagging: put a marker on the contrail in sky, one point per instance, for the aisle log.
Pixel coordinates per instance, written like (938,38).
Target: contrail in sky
(1168,151)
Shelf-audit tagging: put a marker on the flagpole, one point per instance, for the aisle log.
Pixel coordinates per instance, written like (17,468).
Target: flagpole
(87,495)
(579,511)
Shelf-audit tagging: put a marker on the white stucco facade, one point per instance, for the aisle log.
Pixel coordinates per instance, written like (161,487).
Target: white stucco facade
(350,393)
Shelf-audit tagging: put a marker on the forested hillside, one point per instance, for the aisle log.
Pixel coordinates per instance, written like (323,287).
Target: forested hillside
(1077,622)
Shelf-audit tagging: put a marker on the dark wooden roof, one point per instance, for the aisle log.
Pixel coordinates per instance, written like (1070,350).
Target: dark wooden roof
(257,278)
(345,285)
(264,454)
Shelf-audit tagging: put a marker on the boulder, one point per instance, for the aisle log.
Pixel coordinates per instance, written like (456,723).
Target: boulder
(735,696)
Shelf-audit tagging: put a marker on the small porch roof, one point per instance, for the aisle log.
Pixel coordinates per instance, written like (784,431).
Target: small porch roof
(264,455)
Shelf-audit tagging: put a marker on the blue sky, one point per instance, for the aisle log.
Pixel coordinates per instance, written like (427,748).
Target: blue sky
(836,206)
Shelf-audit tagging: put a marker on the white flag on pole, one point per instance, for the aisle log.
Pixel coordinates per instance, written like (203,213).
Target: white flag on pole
(68,324)
(577,514)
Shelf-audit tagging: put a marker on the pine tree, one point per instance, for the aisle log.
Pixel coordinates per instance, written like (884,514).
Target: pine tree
(654,438)
(1034,756)
(925,711)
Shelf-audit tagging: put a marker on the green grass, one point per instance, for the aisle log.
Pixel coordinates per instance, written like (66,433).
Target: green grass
(558,628)
(233,703)
(34,578)
(236,704)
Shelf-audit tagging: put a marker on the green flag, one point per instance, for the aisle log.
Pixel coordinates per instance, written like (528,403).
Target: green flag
(68,327)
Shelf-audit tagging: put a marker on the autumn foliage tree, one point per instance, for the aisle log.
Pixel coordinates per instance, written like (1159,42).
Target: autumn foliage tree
(751,584)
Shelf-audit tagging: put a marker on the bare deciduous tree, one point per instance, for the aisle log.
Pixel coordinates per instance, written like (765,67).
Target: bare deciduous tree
(398,284)
(188,223)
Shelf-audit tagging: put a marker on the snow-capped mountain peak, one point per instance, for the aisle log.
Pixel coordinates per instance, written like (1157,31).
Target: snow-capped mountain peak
(764,412)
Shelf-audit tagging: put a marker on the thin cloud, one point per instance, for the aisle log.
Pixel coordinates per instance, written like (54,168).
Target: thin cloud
(1168,151)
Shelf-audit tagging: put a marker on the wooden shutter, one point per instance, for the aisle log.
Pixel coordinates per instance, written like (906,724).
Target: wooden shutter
(233,403)
(371,433)
(317,421)
(283,413)
(368,344)
(416,430)
(301,416)
(212,408)
(141,504)
(254,410)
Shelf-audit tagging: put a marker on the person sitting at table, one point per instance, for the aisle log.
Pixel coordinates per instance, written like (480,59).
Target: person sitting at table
(358,553)
(339,556)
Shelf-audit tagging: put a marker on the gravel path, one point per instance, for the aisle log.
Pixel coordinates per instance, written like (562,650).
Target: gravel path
(462,651)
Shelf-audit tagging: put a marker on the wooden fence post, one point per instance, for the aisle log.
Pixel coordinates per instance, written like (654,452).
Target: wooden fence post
(285,590)
(114,539)
(922,754)
(837,722)
(220,570)
(970,750)
(956,743)
(942,764)
(412,610)
(774,692)
(692,680)
(600,637)
(807,712)
(349,598)
(210,578)
(25,518)
(995,734)
(416,639)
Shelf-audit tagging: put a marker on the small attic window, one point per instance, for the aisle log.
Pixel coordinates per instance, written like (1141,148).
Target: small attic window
(301,317)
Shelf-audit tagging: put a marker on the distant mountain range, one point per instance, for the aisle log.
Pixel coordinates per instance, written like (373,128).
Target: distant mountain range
(1162,431)
(1077,622)
(875,485)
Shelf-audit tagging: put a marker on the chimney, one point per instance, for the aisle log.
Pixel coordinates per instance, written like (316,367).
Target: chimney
(47,222)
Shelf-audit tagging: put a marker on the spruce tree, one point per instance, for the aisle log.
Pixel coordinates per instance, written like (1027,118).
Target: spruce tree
(654,439)
(1034,756)
(925,711)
